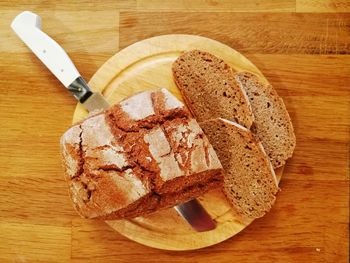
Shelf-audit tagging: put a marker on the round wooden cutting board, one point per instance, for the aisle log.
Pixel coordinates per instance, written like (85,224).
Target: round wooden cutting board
(147,65)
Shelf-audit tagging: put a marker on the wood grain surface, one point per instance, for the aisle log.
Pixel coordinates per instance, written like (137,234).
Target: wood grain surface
(301,46)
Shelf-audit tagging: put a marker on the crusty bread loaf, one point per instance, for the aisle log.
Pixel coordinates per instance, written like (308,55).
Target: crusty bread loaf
(272,123)
(250,183)
(209,88)
(138,156)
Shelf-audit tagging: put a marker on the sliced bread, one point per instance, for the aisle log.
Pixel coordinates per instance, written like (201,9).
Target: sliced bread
(209,88)
(250,183)
(272,123)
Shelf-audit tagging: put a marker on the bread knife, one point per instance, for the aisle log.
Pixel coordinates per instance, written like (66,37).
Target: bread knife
(27,26)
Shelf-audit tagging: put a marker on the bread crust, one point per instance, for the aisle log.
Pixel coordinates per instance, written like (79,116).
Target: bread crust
(141,155)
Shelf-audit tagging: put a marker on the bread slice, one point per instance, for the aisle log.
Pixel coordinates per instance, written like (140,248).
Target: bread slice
(209,88)
(138,156)
(250,183)
(272,124)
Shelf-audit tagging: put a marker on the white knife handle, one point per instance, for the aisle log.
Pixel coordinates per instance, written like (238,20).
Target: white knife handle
(27,26)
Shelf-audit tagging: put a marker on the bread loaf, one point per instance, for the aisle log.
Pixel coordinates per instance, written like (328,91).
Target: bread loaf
(250,183)
(209,88)
(272,123)
(140,155)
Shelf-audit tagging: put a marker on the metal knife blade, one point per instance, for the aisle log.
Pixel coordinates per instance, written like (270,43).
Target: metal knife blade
(194,213)
(27,26)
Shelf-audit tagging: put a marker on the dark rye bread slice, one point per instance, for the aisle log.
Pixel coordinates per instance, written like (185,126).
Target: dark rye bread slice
(272,123)
(250,183)
(209,88)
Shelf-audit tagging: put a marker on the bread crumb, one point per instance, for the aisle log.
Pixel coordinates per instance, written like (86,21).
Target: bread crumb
(318,249)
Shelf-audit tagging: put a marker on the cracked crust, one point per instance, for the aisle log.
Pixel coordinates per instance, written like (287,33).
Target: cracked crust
(121,163)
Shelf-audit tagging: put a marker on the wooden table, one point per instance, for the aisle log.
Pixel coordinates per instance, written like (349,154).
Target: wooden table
(301,46)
